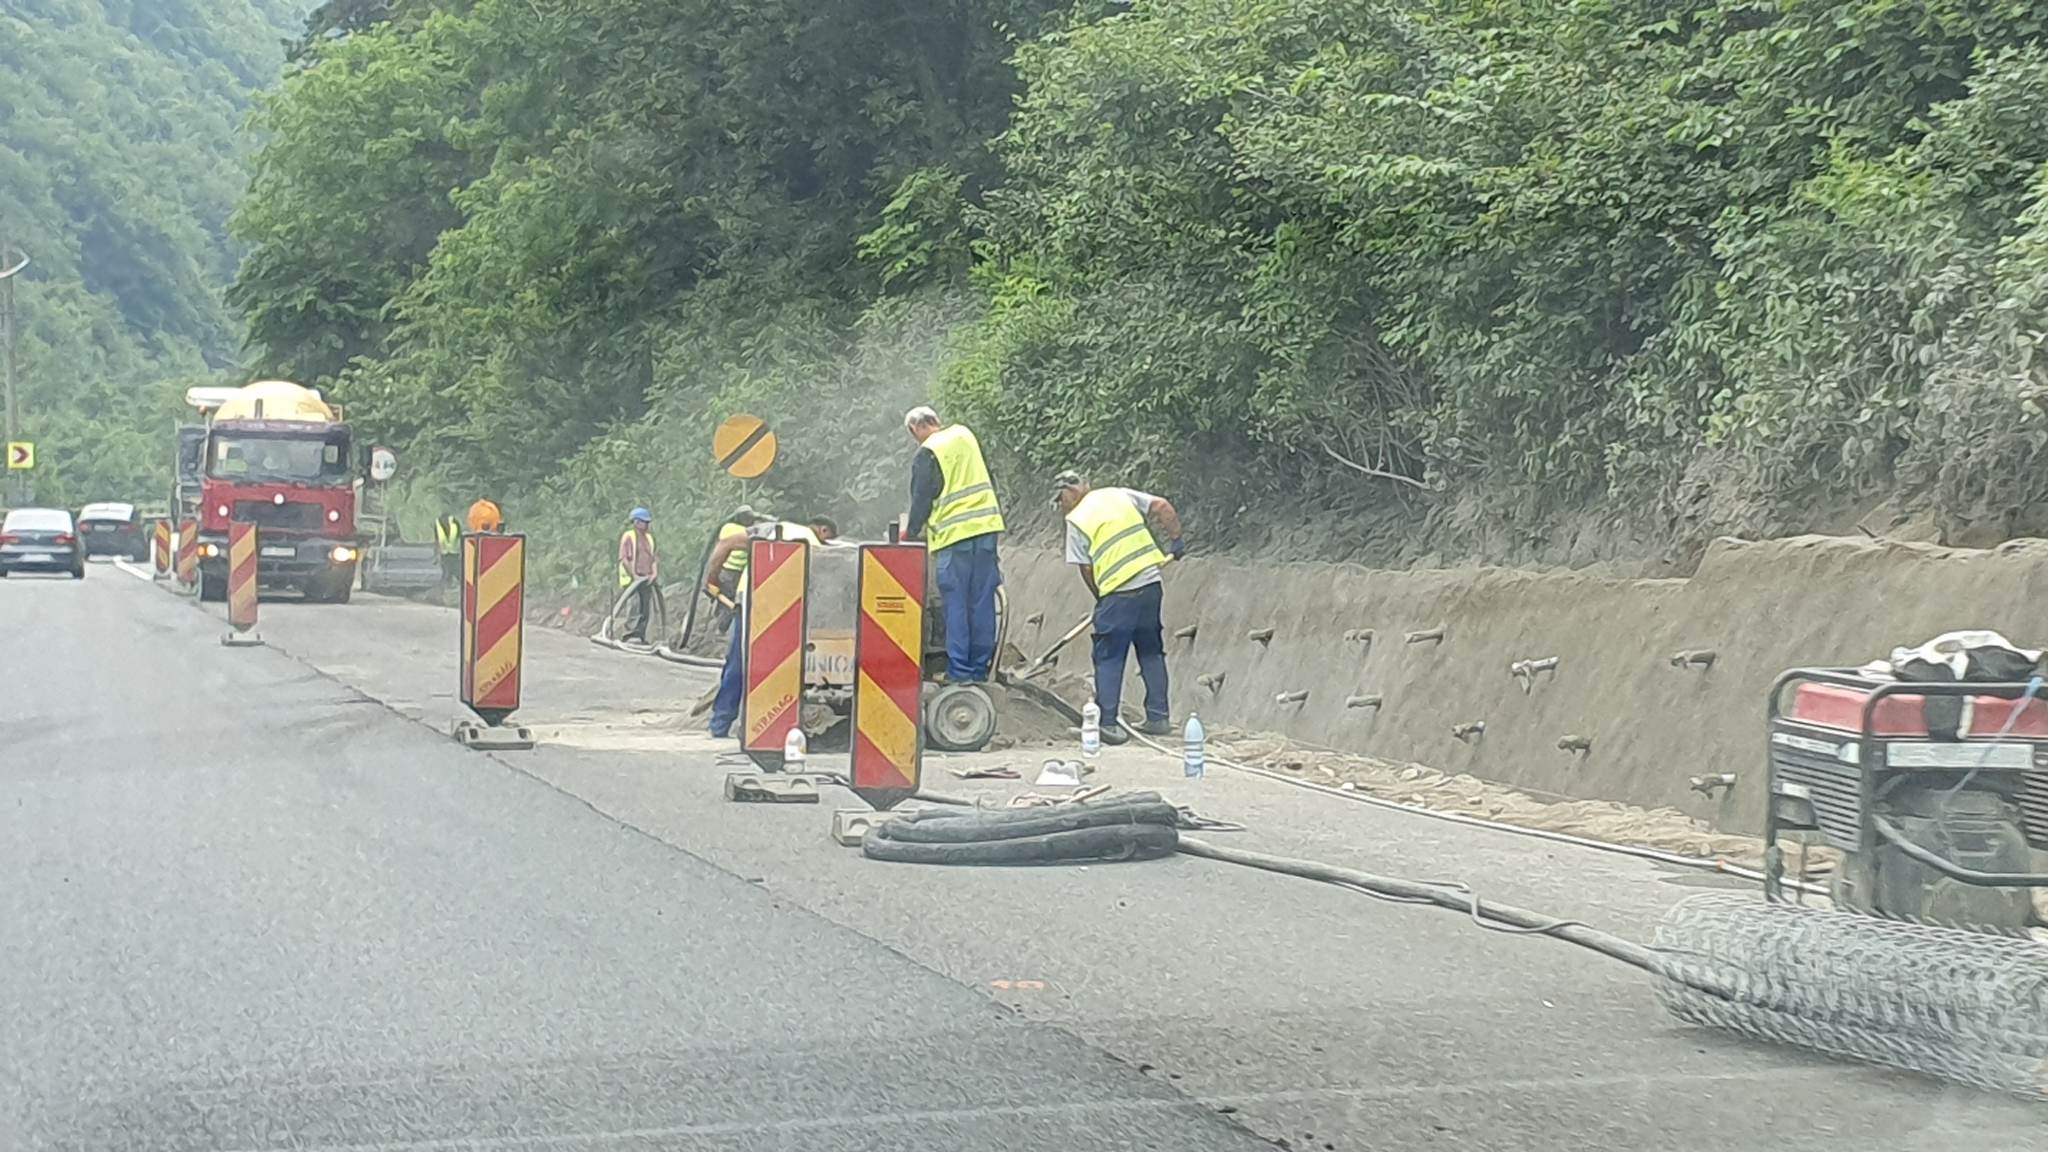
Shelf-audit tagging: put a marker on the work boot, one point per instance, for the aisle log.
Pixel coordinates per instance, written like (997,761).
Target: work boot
(1159,727)
(1114,734)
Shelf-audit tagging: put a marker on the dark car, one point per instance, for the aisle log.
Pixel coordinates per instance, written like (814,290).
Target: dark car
(113,530)
(40,540)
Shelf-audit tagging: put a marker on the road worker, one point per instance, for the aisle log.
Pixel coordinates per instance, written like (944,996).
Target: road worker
(725,707)
(953,509)
(485,517)
(724,586)
(448,542)
(639,568)
(1112,535)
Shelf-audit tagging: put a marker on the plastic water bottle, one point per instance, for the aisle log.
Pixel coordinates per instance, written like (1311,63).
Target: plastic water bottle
(1191,748)
(1091,729)
(793,749)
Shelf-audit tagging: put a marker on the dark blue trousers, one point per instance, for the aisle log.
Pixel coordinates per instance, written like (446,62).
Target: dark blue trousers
(968,577)
(732,684)
(1127,620)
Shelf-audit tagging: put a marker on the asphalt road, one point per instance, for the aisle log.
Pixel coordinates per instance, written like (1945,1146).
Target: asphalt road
(338,919)
(243,906)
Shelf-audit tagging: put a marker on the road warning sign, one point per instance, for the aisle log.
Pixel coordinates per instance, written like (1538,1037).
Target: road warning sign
(888,732)
(188,555)
(241,575)
(493,623)
(160,548)
(744,446)
(21,454)
(778,579)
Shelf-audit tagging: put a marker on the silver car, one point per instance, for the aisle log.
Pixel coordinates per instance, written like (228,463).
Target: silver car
(41,540)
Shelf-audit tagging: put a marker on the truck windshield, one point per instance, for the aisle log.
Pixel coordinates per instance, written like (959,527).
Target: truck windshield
(279,459)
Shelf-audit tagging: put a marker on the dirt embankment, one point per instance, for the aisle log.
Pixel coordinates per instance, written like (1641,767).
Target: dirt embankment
(1416,667)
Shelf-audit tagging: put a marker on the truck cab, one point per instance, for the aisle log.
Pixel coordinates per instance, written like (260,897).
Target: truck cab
(278,457)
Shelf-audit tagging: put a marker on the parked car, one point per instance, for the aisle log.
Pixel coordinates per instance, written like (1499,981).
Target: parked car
(113,530)
(41,540)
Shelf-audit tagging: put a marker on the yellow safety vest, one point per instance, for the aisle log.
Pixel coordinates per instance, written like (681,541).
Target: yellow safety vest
(448,535)
(626,570)
(966,506)
(737,562)
(1120,545)
(784,530)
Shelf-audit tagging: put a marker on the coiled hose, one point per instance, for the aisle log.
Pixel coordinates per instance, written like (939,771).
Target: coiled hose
(1139,826)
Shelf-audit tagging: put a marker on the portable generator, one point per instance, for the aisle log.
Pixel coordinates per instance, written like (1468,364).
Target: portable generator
(1935,794)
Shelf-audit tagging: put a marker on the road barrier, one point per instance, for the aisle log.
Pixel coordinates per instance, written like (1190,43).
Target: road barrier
(160,549)
(777,629)
(188,556)
(888,681)
(493,639)
(241,631)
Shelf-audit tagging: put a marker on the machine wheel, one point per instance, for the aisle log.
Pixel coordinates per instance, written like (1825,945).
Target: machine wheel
(958,718)
(213,589)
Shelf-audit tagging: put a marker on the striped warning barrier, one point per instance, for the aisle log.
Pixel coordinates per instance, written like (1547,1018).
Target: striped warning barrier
(160,548)
(888,682)
(493,623)
(777,624)
(241,585)
(188,556)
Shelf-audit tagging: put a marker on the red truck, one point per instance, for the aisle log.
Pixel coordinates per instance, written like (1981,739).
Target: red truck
(277,456)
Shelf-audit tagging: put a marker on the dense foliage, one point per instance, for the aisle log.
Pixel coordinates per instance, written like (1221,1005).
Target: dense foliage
(1699,260)
(121,158)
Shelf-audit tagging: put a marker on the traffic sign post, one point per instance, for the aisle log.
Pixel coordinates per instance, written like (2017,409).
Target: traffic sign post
(493,632)
(241,631)
(744,446)
(888,674)
(777,629)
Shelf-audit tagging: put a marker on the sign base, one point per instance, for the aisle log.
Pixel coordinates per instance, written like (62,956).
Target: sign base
(490,738)
(233,639)
(749,788)
(850,825)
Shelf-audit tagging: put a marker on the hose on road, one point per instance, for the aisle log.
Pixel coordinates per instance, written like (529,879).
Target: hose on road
(1140,826)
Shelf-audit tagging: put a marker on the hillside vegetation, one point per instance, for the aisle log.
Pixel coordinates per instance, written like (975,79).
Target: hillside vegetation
(1479,265)
(121,158)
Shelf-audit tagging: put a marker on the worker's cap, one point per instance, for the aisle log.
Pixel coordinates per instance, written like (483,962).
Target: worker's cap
(745,514)
(1065,480)
(643,515)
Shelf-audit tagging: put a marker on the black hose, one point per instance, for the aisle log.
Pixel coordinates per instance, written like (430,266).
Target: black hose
(939,826)
(1141,826)
(682,643)
(1898,839)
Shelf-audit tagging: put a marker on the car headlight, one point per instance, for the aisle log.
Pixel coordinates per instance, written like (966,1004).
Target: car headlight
(341,554)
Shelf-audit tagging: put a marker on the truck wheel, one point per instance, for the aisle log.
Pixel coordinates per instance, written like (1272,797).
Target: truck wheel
(213,589)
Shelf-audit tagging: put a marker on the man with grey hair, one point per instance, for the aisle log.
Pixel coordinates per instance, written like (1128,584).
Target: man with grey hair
(953,509)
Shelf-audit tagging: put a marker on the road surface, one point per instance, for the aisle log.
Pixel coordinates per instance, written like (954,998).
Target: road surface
(254,899)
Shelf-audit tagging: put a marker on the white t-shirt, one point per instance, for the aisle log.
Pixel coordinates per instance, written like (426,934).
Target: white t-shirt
(1077,541)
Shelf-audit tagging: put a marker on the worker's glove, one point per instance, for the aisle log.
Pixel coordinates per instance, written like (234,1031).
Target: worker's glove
(1175,549)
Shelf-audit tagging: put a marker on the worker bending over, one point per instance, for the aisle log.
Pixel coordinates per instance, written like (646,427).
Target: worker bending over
(725,707)
(1110,536)
(724,583)
(639,562)
(953,509)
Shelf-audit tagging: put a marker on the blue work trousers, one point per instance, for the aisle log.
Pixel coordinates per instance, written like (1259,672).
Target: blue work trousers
(732,684)
(968,577)
(1125,620)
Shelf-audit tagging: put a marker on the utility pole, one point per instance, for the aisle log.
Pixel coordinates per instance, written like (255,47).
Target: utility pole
(7,336)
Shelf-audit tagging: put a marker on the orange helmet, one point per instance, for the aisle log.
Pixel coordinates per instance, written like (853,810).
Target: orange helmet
(485,517)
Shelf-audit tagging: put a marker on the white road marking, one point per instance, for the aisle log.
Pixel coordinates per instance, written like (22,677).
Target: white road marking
(138,573)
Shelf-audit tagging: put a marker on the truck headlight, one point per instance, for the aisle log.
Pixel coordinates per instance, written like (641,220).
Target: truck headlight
(222,509)
(209,551)
(341,554)
(333,515)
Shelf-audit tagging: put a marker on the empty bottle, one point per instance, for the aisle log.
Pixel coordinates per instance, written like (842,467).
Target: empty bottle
(1091,729)
(793,750)
(1191,748)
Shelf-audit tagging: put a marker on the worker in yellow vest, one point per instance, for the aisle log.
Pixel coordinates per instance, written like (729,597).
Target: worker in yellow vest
(448,542)
(725,577)
(954,510)
(725,707)
(1111,536)
(638,562)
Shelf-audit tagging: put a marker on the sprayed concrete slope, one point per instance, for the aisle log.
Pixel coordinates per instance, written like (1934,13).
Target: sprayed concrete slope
(1761,606)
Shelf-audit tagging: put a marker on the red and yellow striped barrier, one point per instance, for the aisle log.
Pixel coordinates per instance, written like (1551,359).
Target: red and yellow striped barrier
(160,548)
(888,680)
(778,579)
(188,555)
(493,623)
(241,575)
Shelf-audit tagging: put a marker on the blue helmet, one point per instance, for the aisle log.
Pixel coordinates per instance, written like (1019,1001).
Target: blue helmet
(643,516)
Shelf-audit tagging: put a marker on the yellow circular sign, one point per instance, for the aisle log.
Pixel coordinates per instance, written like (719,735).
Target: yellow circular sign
(744,446)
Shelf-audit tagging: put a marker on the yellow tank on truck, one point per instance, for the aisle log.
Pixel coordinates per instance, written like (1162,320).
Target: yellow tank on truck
(276,400)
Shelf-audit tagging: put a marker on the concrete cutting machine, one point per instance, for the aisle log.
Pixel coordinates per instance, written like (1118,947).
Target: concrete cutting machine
(1935,794)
